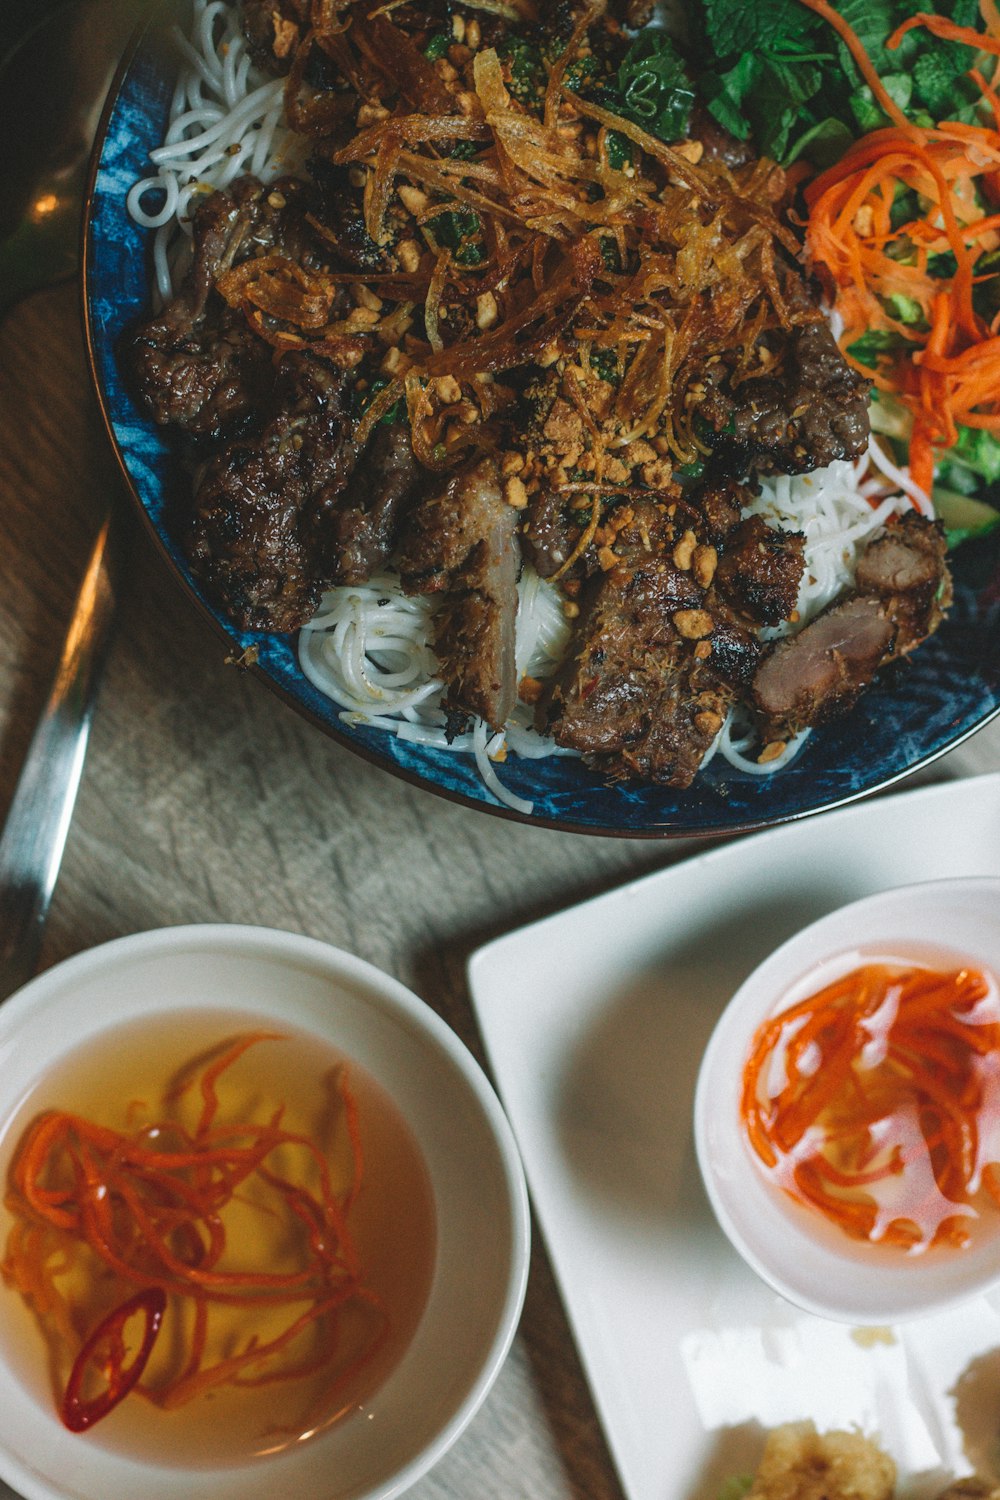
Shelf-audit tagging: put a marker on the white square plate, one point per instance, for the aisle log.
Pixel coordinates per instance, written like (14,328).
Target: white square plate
(594,1021)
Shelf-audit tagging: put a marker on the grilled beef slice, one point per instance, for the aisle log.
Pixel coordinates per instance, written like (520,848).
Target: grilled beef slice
(718,508)
(462,543)
(902,589)
(196,364)
(252,540)
(359,533)
(649,676)
(760,570)
(811,410)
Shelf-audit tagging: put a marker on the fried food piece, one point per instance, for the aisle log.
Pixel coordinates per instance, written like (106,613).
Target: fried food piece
(800,1463)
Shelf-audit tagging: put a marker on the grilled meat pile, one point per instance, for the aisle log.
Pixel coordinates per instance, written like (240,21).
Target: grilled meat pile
(490,327)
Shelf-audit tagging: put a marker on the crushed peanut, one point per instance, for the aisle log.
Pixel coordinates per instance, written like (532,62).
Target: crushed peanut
(365,297)
(693,624)
(395,362)
(692,151)
(684,551)
(414,199)
(705,562)
(370,114)
(447,390)
(657,475)
(771,752)
(515,493)
(408,255)
(361,318)
(487,310)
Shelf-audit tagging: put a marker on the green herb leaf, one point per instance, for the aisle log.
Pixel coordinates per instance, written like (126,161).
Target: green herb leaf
(527,68)
(656,90)
(438,45)
(454,226)
(619,149)
(363,399)
(604,363)
(874,345)
(761,26)
(978,451)
(822,144)
(724,94)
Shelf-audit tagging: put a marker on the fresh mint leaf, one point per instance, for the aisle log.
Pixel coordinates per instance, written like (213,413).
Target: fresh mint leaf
(939,77)
(724,94)
(761,26)
(822,144)
(874,21)
(776,102)
(867,113)
(963,13)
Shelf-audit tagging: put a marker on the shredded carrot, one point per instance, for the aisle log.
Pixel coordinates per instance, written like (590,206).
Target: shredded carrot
(149,1209)
(947,371)
(849,1095)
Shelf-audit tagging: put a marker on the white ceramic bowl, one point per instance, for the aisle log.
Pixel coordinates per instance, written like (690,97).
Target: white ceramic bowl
(831,1275)
(480,1271)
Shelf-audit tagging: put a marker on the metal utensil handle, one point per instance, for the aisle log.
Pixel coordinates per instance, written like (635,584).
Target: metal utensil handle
(34,835)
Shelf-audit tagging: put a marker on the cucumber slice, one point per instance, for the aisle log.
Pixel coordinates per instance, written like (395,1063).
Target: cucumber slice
(962,516)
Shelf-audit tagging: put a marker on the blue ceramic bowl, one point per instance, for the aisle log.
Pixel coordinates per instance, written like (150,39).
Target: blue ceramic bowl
(919,709)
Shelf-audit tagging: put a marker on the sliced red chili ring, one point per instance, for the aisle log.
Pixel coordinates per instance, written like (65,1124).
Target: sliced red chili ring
(78,1412)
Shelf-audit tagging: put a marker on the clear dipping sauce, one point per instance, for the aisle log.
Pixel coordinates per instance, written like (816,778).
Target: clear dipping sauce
(874,1104)
(356,1158)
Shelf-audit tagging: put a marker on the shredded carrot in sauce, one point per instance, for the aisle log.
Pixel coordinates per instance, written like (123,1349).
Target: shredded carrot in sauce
(876,1103)
(948,372)
(142,1216)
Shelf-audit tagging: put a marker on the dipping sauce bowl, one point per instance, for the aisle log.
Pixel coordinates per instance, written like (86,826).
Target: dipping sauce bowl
(474,1238)
(788,1229)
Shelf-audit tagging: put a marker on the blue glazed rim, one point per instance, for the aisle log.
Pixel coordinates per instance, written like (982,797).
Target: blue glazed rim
(920,709)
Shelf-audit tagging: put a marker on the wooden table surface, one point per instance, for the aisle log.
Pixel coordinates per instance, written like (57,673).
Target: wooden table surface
(204,799)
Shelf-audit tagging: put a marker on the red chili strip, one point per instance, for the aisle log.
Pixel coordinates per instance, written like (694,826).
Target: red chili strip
(79,1413)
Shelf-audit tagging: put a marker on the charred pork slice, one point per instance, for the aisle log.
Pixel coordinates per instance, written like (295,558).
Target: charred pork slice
(812,410)
(760,570)
(640,694)
(902,589)
(196,364)
(462,543)
(252,538)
